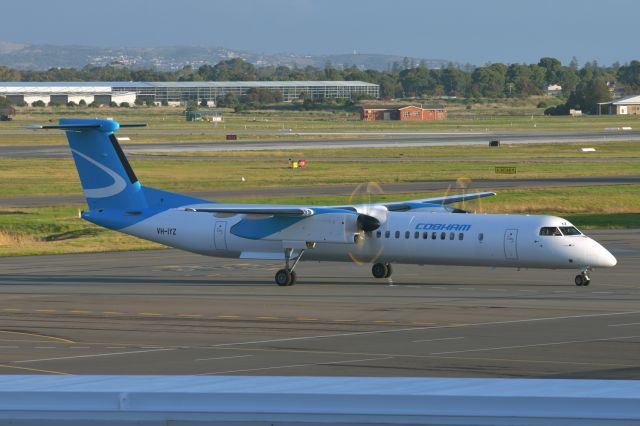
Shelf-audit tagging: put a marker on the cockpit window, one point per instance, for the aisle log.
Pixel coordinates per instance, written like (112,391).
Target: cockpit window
(550,230)
(570,230)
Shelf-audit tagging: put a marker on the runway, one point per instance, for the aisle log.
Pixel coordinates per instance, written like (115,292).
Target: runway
(169,312)
(369,140)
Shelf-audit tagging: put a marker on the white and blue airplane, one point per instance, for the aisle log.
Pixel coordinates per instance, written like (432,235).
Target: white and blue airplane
(425,231)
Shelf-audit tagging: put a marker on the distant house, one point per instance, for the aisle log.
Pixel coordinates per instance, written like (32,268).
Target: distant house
(406,113)
(6,112)
(624,106)
(554,90)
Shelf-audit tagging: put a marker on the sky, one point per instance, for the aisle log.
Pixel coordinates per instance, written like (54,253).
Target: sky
(464,31)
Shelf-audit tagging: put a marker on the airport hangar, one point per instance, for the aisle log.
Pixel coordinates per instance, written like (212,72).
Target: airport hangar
(176,93)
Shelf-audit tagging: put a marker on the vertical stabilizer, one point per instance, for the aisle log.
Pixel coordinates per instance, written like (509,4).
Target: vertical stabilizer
(107,178)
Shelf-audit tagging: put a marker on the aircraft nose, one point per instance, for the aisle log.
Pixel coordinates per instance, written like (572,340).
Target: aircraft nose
(608,260)
(602,258)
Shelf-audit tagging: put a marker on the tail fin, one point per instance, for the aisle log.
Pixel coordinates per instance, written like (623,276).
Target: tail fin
(107,178)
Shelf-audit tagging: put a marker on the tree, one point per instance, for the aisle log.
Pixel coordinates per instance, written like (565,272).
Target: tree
(416,81)
(9,74)
(489,81)
(552,67)
(4,101)
(453,80)
(230,70)
(38,104)
(330,73)
(587,96)
(229,100)
(521,81)
(574,63)
(629,75)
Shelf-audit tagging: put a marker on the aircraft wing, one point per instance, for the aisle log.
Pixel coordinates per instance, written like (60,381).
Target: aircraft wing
(449,199)
(255,210)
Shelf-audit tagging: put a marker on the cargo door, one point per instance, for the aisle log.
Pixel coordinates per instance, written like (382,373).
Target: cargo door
(511,244)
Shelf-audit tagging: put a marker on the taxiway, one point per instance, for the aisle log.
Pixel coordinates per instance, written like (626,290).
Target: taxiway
(169,312)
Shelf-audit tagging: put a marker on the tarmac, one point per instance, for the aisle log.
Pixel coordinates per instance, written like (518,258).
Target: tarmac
(171,312)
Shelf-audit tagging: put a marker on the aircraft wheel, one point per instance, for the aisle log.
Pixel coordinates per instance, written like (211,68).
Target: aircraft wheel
(580,280)
(294,276)
(379,270)
(389,270)
(283,278)
(586,282)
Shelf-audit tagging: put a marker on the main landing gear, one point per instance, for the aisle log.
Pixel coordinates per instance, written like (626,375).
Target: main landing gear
(381,270)
(287,276)
(583,279)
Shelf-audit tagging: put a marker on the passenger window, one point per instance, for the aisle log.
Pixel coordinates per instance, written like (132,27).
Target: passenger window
(379,234)
(407,234)
(416,235)
(461,236)
(425,235)
(452,235)
(397,234)
(387,233)
(443,235)
(481,236)
(433,236)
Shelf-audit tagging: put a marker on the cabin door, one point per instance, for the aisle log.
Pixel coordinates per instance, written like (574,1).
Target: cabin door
(510,244)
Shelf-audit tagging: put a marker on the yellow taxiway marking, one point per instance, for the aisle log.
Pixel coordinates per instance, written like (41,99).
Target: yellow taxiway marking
(149,314)
(113,313)
(80,312)
(306,319)
(38,370)
(267,318)
(190,315)
(344,320)
(46,311)
(228,316)
(384,322)
(424,323)
(24,333)
(11,310)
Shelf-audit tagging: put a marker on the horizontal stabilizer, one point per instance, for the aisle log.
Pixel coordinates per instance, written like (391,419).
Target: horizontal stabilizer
(79,126)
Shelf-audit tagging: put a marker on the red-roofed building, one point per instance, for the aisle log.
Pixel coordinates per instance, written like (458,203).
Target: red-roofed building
(407,113)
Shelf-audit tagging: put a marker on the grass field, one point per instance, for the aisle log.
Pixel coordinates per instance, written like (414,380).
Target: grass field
(604,149)
(58,176)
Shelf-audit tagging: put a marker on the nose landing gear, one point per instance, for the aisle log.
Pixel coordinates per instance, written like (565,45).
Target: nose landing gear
(583,279)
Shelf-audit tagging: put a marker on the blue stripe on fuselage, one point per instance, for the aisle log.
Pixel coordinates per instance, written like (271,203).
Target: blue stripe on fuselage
(256,229)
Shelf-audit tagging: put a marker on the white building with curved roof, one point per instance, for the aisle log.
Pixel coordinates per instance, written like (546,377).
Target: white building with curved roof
(179,92)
